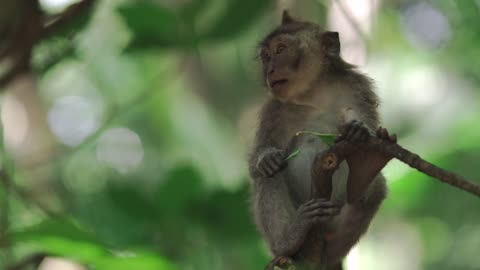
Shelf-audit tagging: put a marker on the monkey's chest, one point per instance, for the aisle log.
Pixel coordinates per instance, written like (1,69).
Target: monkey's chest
(298,172)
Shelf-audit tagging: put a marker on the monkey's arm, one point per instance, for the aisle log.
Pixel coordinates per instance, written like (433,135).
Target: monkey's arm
(272,207)
(274,213)
(283,226)
(354,220)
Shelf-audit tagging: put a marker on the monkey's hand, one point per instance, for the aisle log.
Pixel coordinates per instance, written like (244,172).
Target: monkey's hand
(272,162)
(354,131)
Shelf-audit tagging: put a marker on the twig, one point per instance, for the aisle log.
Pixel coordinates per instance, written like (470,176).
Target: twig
(35,27)
(57,21)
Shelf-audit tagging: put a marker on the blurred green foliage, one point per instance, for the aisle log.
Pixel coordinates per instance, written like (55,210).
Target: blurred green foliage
(179,76)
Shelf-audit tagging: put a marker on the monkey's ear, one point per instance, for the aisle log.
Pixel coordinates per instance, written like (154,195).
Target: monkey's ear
(286,18)
(331,43)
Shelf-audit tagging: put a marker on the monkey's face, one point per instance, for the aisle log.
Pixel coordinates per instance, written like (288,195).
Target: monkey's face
(295,55)
(289,65)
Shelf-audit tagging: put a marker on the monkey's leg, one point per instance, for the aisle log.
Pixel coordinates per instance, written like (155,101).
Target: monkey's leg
(285,227)
(353,221)
(363,165)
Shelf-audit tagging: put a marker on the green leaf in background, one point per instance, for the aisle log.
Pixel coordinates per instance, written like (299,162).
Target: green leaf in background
(151,24)
(238,16)
(154,26)
(60,237)
(328,139)
(182,186)
(130,260)
(192,9)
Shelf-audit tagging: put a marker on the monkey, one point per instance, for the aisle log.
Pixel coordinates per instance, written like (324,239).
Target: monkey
(312,88)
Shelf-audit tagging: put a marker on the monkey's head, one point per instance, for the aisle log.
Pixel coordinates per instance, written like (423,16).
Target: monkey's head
(295,55)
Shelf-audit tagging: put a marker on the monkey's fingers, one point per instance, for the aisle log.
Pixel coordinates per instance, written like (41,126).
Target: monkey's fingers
(312,201)
(266,169)
(279,159)
(320,212)
(317,204)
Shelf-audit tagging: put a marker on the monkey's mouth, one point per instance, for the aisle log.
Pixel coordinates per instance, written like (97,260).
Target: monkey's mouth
(278,82)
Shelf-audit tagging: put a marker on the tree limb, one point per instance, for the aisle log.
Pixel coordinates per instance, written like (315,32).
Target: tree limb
(327,162)
(57,21)
(35,27)
(340,150)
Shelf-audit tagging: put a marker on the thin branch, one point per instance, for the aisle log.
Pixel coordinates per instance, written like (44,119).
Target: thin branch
(343,148)
(57,21)
(28,38)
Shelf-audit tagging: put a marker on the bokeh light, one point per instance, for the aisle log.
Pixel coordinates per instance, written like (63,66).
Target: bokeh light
(120,148)
(74,118)
(425,26)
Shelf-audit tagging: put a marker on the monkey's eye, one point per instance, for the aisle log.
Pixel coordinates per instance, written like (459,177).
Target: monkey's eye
(265,56)
(280,48)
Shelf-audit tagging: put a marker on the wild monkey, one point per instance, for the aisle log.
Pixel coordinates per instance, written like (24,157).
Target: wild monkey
(314,89)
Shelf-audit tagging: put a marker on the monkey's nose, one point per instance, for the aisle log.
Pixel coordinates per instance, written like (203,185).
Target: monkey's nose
(271,69)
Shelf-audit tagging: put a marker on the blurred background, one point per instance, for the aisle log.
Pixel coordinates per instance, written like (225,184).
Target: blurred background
(126,126)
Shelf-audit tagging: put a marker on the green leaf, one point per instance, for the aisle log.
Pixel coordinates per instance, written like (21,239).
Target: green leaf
(182,187)
(238,16)
(151,24)
(63,238)
(293,154)
(192,9)
(144,260)
(328,139)
(60,237)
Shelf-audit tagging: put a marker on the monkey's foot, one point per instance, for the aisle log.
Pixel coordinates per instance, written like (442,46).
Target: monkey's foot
(315,212)
(365,166)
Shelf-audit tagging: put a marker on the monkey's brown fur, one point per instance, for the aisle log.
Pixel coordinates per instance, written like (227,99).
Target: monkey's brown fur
(312,88)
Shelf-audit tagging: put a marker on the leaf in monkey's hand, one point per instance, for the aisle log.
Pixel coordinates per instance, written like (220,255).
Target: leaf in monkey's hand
(328,139)
(293,154)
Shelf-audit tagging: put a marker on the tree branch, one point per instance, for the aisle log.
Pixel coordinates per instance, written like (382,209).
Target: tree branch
(340,150)
(57,21)
(327,162)
(33,29)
